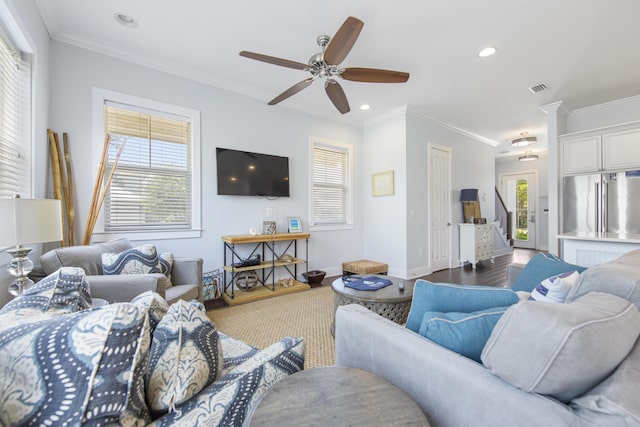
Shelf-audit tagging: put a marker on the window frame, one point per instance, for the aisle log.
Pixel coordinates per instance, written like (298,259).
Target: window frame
(24,143)
(99,96)
(338,146)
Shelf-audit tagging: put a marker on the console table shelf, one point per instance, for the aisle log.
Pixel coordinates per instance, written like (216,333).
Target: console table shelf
(264,245)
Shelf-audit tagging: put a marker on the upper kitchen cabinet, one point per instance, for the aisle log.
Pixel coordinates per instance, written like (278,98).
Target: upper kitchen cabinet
(621,150)
(582,154)
(607,149)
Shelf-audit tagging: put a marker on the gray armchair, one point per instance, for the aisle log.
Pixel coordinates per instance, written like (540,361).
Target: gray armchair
(186,274)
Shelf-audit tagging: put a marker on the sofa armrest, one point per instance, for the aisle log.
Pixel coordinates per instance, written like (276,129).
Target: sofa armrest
(451,389)
(125,287)
(188,271)
(513,271)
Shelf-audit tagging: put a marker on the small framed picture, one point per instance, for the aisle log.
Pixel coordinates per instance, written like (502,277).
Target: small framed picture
(382,184)
(295,224)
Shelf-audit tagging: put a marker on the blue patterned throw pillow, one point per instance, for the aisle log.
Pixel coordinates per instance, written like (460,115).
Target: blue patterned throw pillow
(80,368)
(63,291)
(186,356)
(140,260)
(155,305)
(231,399)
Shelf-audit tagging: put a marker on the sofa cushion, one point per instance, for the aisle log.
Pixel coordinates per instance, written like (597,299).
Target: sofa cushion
(165,262)
(232,398)
(445,297)
(155,305)
(84,367)
(89,258)
(186,356)
(616,400)
(555,288)
(139,260)
(62,292)
(234,351)
(619,277)
(562,350)
(464,333)
(540,267)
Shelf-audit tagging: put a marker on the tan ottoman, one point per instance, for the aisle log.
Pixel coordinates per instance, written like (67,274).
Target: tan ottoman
(364,266)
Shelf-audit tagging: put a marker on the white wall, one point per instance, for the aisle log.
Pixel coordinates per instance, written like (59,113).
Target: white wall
(27,17)
(384,217)
(473,166)
(228,120)
(609,114)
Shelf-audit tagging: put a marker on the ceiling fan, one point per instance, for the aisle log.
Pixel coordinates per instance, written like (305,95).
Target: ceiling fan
(326,65)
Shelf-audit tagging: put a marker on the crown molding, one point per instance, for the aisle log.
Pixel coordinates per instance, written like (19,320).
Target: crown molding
(631,100)
(187,73)
(555,106)
(419,113)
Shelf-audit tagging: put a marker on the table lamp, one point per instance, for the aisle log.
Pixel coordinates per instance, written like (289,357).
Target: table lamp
(470,204)
(27,221)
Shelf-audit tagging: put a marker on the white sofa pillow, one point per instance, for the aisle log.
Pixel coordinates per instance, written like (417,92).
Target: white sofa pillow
(562,350)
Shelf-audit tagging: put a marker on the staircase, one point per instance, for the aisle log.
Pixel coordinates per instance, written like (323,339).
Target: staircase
(503,241)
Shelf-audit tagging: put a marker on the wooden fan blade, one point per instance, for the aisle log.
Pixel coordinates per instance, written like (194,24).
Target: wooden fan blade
(291,91)
(341,44)
(337,96)
(274,60)
(373,75)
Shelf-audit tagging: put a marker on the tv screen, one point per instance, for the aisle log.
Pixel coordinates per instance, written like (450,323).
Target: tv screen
(242,173)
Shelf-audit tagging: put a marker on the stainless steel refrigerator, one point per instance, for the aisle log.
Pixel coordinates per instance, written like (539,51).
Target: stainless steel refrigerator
(607,202)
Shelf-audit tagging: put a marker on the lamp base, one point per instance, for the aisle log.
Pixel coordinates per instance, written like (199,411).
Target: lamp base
(20,267)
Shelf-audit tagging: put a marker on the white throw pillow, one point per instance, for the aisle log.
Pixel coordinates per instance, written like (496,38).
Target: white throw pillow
(555,288)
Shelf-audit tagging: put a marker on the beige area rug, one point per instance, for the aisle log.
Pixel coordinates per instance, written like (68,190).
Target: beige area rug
(305,314)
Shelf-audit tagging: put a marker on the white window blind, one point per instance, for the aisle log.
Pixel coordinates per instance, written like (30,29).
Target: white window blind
(15,122)
(330,185)
(151,188)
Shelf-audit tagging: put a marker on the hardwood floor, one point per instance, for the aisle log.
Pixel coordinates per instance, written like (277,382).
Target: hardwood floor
(489,274)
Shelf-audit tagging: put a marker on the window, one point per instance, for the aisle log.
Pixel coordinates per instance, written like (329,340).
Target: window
(331,198)
(15,122)
(155,187)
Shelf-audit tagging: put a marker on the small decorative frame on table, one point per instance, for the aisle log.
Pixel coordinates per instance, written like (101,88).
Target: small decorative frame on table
(295,224)
(382,184)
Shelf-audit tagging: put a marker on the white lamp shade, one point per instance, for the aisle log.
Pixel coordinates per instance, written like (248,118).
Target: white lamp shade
(27,221)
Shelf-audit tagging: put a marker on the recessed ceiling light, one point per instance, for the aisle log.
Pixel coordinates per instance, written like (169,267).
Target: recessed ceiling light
(365,106)
(125,20)
(487,51)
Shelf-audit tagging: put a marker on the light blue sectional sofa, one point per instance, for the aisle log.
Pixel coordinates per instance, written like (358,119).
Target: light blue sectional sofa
(544,363)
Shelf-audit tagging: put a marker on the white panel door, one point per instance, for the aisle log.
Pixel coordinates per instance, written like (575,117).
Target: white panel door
(440,207)
(520,191)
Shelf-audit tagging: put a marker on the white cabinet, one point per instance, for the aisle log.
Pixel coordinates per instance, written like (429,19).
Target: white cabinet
(608,149)
(621,150)
(476,243)
(582,154)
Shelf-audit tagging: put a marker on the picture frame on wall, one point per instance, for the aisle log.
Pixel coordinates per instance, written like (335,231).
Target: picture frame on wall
(382,184)
(295,224)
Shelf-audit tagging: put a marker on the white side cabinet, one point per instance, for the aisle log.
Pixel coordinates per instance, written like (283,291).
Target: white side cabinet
(476,243)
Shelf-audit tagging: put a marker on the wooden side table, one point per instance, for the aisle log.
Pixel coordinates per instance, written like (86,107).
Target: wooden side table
(336,396)
(388,302)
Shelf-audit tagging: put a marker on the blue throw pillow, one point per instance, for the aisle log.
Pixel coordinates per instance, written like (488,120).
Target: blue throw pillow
(464,333)
(540,267)
(446,297)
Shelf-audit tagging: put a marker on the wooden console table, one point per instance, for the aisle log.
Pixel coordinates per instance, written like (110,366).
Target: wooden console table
(264,245)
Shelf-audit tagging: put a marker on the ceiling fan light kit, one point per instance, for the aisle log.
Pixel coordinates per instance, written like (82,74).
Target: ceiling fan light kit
(326,65)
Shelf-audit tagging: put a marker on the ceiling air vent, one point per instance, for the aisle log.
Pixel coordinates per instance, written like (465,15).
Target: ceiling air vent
(540,87)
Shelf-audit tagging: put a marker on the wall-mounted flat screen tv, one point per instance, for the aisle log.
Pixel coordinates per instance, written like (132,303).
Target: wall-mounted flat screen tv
(242,173)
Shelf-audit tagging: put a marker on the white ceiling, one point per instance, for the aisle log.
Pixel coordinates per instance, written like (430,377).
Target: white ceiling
(586,51)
